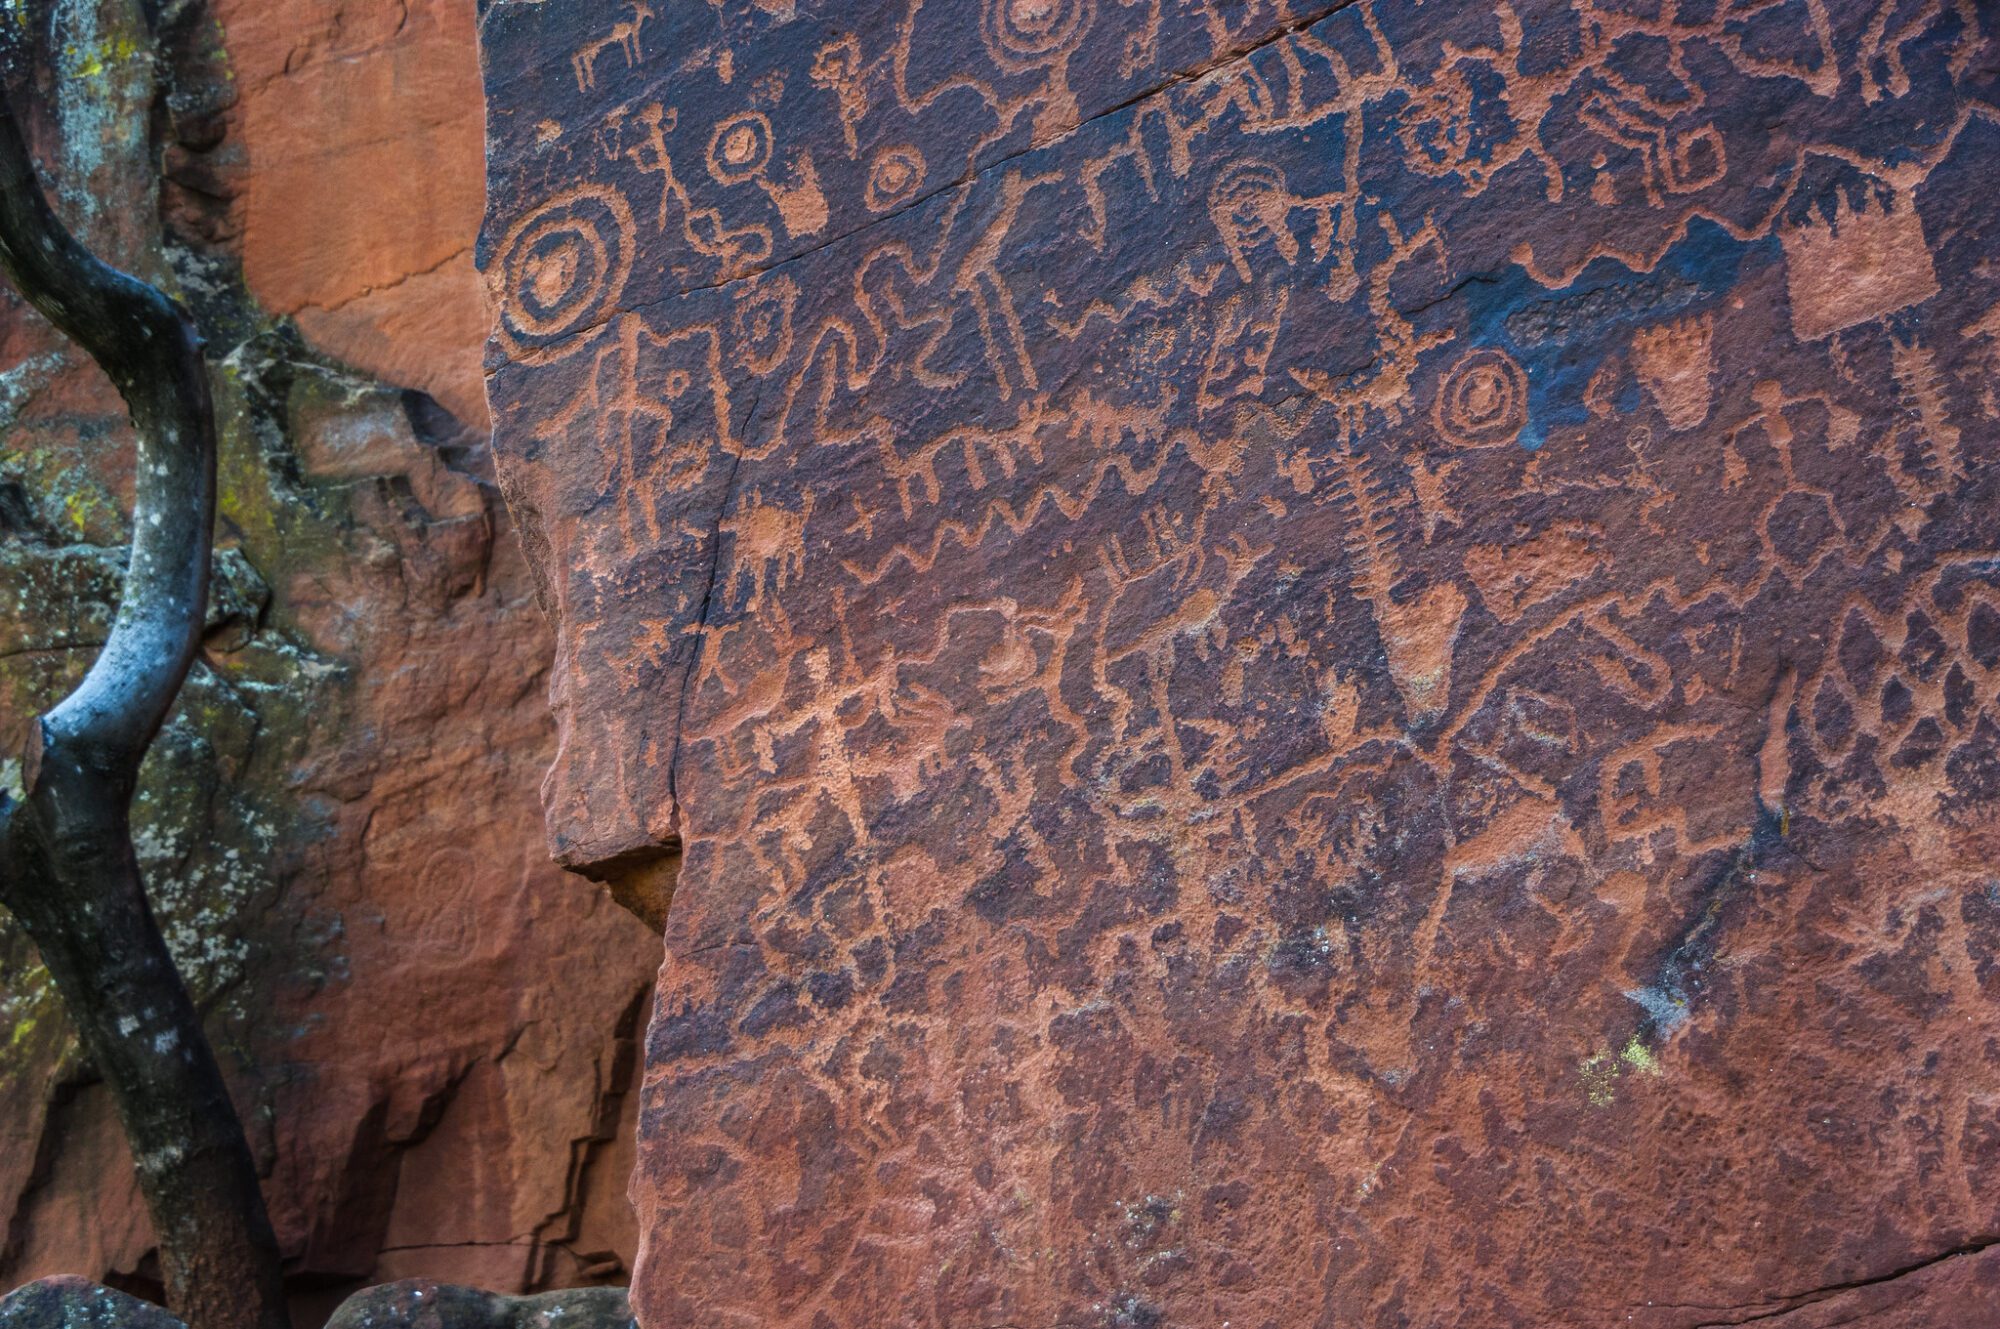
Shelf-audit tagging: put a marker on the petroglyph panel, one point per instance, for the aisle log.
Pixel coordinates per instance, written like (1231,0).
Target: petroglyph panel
(1316,663)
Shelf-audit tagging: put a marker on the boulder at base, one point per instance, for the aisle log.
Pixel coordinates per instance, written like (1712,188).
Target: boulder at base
(68,1302)
(417,1303)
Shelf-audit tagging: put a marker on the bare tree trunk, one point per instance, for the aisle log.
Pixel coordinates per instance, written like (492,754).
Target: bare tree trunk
(67,868)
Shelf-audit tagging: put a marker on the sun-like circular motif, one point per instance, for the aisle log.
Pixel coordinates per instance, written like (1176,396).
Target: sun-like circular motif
(1028,34)
(1482,401)
(740,148)
(561,266)
(893,177)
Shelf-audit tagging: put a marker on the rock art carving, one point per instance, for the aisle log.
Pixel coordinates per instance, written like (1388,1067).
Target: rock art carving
(565,263)
(1315,663)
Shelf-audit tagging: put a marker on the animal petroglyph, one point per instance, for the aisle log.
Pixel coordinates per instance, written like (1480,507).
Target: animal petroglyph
(623,37)
(1283,641)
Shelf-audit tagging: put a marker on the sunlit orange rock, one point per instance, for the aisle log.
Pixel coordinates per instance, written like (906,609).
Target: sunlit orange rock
(431,1030)
(359,124)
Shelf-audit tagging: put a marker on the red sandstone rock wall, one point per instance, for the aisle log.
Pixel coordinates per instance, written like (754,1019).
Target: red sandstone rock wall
(432,1030)
(361,132)
(1318,664)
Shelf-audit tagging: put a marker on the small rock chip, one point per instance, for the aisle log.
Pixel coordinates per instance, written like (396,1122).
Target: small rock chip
(418,1303)
(68,1302)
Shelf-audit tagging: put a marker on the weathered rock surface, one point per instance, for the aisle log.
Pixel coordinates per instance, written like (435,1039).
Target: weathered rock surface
(431,1031)
(1316,663)
(1959,1289)
(69,1302)
(359,143)
(422,1304)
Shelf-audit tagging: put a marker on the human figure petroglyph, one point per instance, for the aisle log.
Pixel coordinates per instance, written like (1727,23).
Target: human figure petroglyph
(991,298)
(1323,511)
(737,249)
(1238,258)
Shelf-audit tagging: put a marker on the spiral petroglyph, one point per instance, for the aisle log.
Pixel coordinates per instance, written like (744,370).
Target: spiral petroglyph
(1283,640)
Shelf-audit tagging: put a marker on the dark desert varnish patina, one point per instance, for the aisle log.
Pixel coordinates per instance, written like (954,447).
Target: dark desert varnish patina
(1313,663)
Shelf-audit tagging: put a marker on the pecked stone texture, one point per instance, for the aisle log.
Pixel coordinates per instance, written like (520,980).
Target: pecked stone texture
(1314,663)
(430,1031)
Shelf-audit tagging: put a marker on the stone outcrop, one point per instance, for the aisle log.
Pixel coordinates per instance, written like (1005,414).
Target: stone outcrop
(431,1031)
(1306,663)
(68,1302)
(358,134)
(422,1304)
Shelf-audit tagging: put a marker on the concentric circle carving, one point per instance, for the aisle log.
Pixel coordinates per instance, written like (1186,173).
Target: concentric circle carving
(740,148)
(1482,401)
(562,267)
(894,177)
(1029,34)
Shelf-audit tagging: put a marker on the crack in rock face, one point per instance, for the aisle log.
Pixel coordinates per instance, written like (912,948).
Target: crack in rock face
(1282,664)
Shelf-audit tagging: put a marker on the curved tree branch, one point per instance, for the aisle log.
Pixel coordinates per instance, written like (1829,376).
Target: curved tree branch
(67,867)
(149,347)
